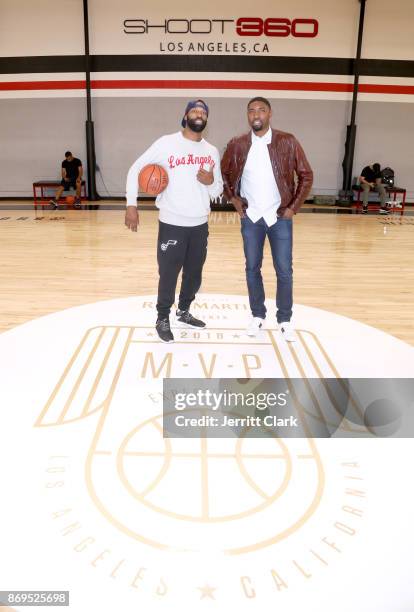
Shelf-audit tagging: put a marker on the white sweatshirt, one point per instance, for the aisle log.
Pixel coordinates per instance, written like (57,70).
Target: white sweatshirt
(185,201)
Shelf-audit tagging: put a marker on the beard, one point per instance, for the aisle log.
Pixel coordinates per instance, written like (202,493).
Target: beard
(257,125)
(196,125)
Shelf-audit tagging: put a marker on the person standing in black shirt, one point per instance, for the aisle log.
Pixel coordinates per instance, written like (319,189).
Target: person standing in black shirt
(72,172)
(371,179)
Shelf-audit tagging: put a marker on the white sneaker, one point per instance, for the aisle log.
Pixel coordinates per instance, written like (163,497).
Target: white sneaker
(254,326)
(287,331)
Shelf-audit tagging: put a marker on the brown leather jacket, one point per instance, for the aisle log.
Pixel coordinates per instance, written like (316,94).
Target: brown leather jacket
(287,158)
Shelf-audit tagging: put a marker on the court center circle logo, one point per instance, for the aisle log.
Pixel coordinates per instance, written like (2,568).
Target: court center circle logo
(100,408)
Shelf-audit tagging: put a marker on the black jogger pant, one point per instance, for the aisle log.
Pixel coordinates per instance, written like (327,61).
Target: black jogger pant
(179,248)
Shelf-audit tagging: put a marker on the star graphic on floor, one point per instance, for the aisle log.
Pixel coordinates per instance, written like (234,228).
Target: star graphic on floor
(207,592)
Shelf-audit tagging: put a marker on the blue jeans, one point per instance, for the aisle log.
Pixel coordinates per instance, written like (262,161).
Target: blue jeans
(280,239)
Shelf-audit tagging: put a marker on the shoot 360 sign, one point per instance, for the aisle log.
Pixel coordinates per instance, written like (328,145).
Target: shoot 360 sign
(219,34)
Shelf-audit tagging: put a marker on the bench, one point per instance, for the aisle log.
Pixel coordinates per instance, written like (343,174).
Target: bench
(397,207)
(43,186)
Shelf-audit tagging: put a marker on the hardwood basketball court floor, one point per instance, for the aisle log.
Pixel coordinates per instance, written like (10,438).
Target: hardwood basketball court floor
(353,265)
(105,506)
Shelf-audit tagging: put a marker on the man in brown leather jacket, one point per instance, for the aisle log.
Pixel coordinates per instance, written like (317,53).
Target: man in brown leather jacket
(259,171)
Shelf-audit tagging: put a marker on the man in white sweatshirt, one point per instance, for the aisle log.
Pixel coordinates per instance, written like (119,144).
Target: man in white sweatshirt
(193,167)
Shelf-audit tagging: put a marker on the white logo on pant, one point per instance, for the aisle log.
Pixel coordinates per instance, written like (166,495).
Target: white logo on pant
(165,245)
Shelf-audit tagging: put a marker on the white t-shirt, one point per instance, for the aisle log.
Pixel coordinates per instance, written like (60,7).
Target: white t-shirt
(258,183)
(185,201)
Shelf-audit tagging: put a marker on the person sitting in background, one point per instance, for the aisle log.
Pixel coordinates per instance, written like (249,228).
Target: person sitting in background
(71,177)
(371,179)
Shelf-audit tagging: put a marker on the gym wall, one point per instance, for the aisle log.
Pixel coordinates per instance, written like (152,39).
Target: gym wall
(149,58)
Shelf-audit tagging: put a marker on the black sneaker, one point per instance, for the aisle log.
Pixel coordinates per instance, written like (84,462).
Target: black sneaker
(53,204)
(77,203)
(384,211)
(365,209)
(186,318)
(164,330)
